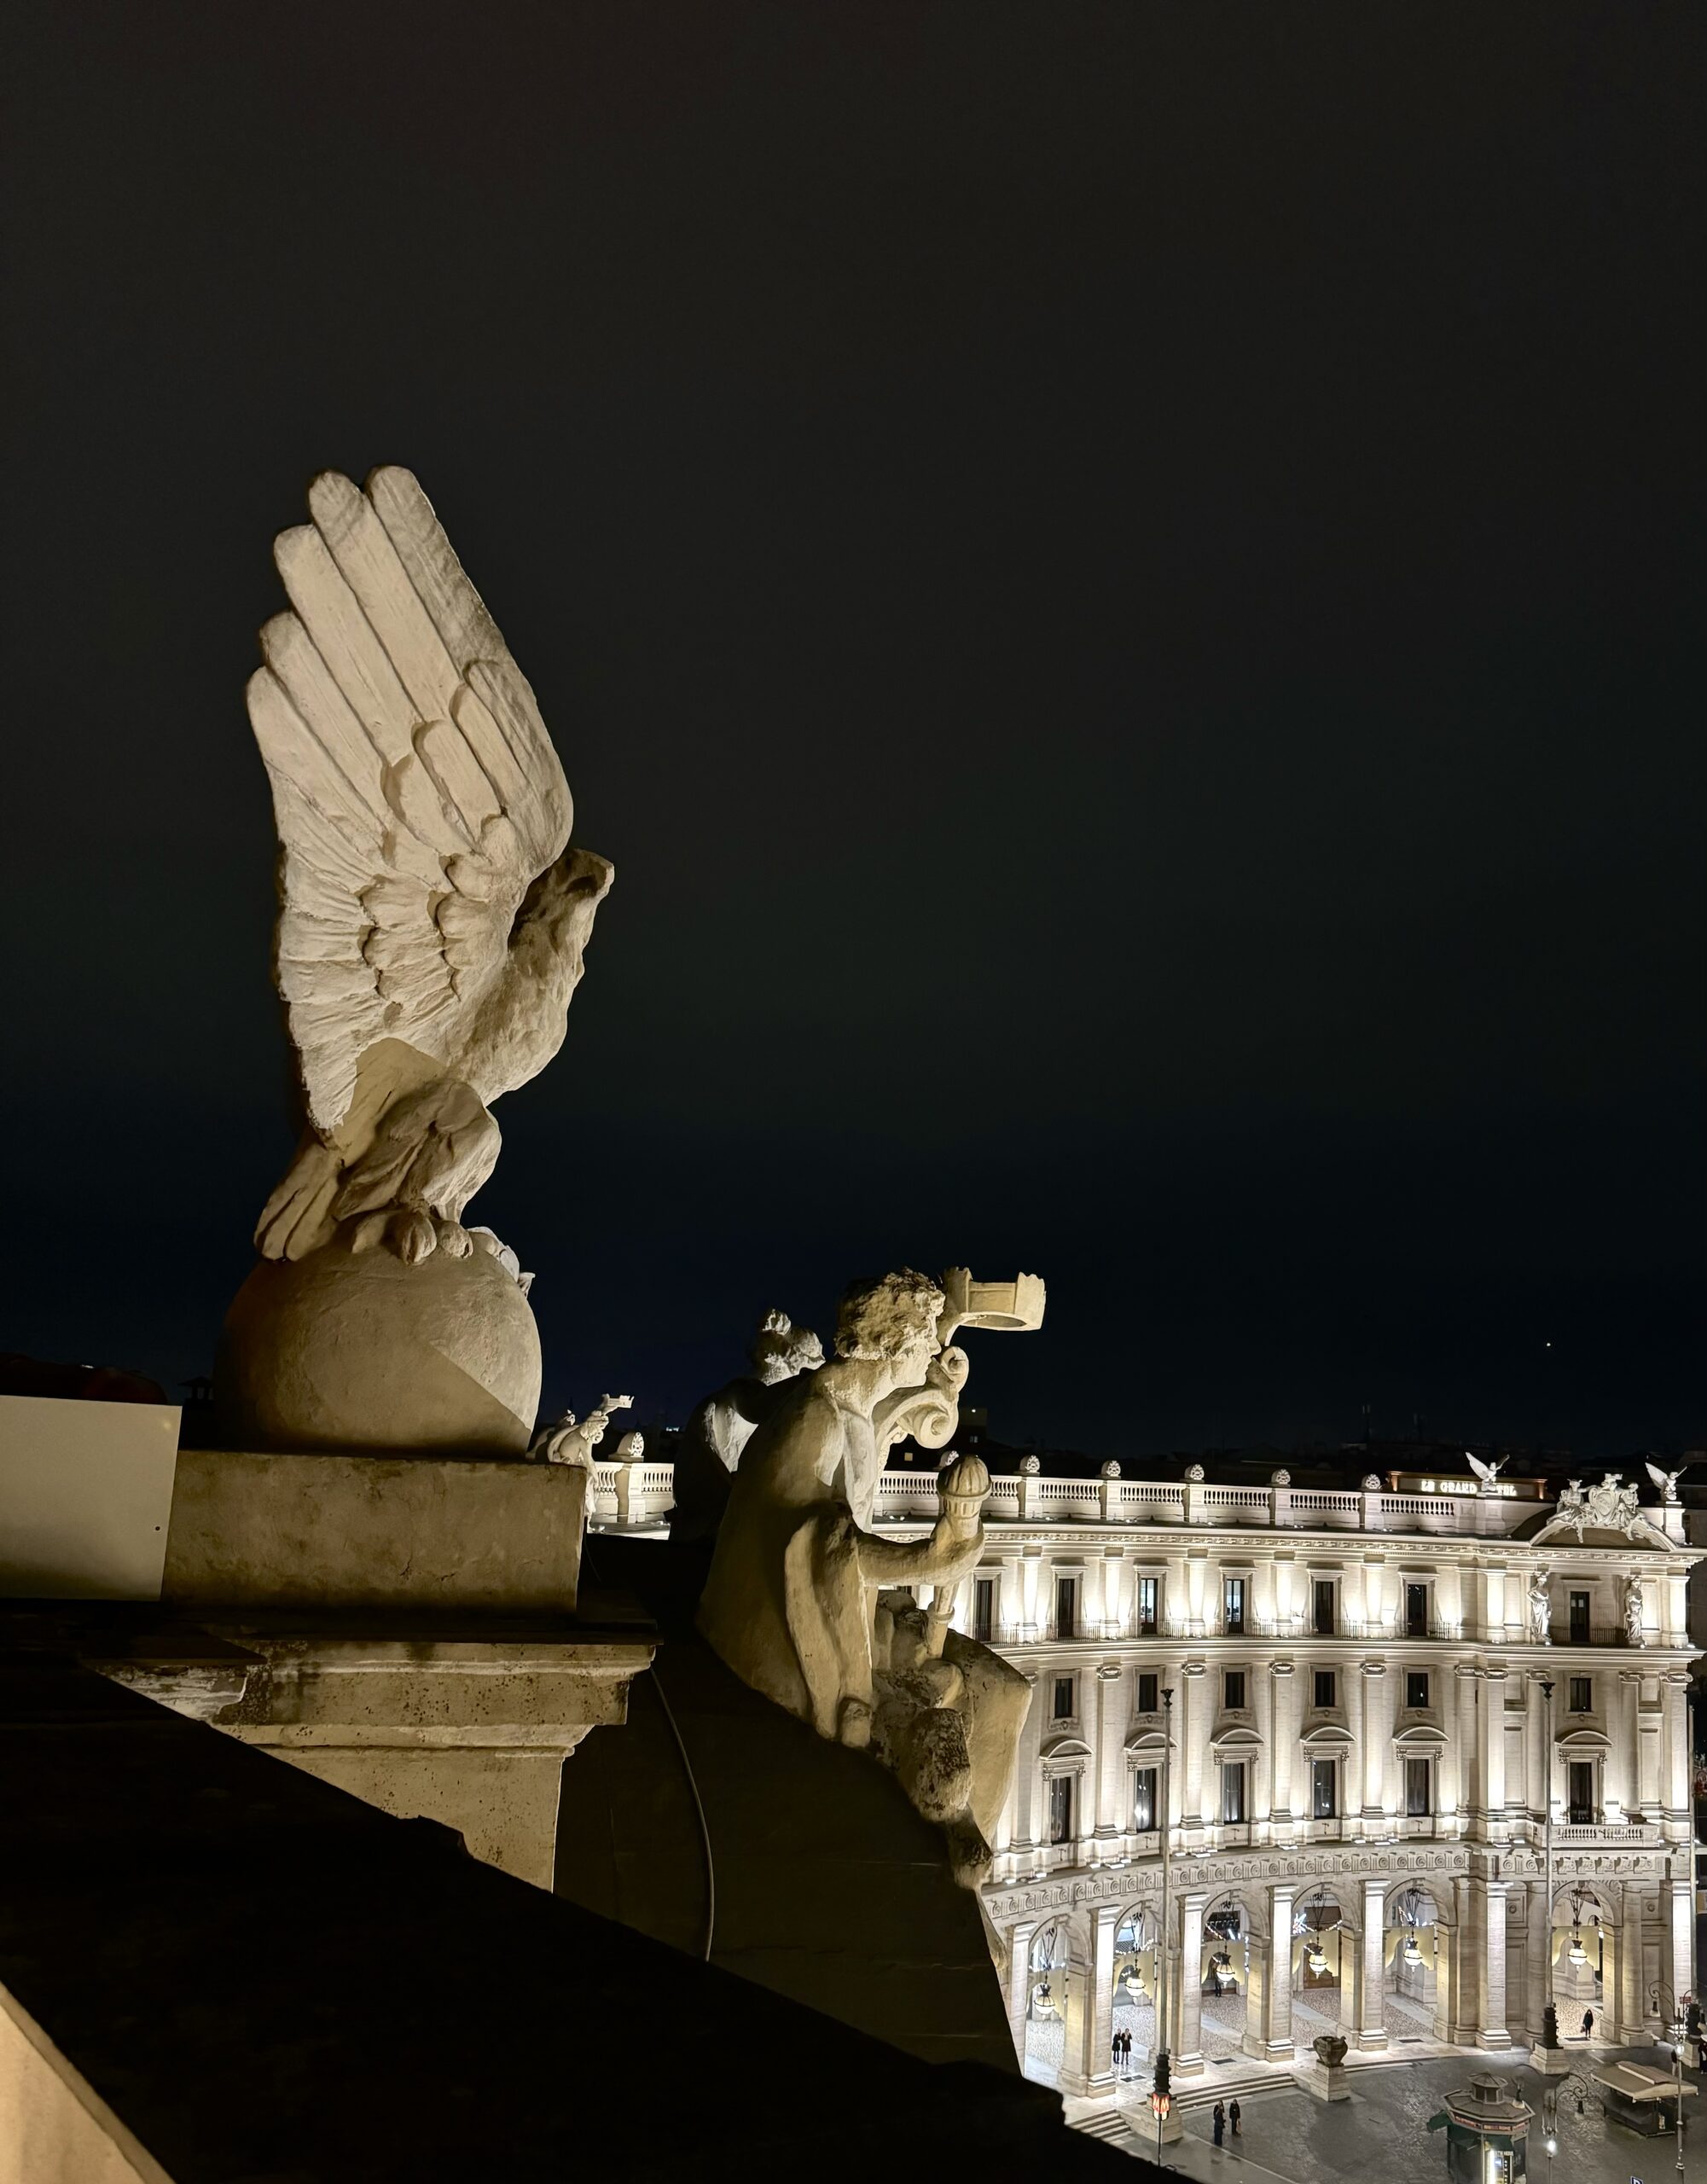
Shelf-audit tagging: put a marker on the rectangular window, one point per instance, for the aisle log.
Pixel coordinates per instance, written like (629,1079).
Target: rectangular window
(1416,1687)
(983,1608)
(1416,1788)
(1327,1684)
(1233,1793)
(1063,1707)
(1234,1692)
(1582,1694)
(1580,1792)
(1148,1590)
(1233,1601)
(1061,1809)
(1148,1694)
(1321,1599)
(1416,1611)
(1144,1797)
(1579,1618)
(1067,1607)
(1323,1784)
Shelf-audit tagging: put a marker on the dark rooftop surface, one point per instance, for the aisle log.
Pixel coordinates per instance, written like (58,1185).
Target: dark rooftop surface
(272,1982)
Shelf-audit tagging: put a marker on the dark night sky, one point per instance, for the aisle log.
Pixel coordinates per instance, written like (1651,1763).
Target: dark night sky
(1122,583)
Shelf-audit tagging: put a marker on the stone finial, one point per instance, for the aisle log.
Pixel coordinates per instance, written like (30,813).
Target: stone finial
(1194,1473)
(1281,1478)
(1371,1484)
(1109,1470)
(1030,1466)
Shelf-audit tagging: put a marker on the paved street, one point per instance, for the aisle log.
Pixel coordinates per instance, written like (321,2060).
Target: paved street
(1381,2132)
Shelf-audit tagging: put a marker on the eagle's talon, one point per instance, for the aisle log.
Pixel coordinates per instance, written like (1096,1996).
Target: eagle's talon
(453,1240)
(411,1234)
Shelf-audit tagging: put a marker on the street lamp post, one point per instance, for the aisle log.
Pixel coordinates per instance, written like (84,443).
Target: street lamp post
(1549,2016)
(1586,2094)
(1676,2025)
(1161,2098)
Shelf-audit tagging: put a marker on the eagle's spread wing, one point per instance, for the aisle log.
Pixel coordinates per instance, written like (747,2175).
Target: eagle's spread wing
(415,788)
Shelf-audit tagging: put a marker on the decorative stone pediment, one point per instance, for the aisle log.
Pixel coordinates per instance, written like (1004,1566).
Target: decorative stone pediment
(1607,1515)
(1064,1747)
(1146,1737)
(1421,1736)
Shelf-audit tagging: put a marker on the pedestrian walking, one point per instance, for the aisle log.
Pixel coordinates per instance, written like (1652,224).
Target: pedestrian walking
(1220,2122)
(1587,2023)
(1232,2119)
(1126,2050)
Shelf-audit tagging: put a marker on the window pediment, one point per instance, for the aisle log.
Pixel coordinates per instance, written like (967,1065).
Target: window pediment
(1065,1747)
(1583,1740)
(1421,1736)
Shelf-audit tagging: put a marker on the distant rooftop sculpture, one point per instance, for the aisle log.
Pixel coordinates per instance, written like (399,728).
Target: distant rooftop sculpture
(431,926)
(793,1601)
(1611,1506)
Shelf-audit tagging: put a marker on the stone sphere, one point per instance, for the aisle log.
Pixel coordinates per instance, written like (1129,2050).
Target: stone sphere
(345,1349)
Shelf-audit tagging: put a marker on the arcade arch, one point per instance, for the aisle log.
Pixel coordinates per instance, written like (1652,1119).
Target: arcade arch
(1134,2009)
(1225,1979)
(1324,1957)
(1416,1964)
(1049,1973)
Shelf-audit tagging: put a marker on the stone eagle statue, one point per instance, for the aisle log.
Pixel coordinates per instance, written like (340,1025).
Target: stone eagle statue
(432,918)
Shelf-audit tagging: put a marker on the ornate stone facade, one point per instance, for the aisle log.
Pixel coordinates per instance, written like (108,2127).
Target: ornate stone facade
(1359,1749)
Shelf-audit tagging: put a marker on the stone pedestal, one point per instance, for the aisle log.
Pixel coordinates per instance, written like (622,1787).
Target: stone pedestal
(407,1528)
(401,1625)
(1327,2081)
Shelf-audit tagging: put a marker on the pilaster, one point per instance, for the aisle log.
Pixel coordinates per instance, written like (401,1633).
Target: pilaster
(1189,2053)
(1372,2027)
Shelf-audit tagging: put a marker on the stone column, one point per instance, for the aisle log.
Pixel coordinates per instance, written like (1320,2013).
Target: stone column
(1283,1740)
(1649,1745)
(1538,1940)
(1196,1719)
(1469,1774)
(1020,1940)
(1028,1774)
(1620,1776)
(1371,2017)
(1491,2029)
(1351,1689)
(1677,1909)
(1631,2025)
(1262,1771)
(1490,1816)
(1104,1925)
(1109,1722)
(1377,1743)
(1276,2042)
(1675,1758)
(1188,2047)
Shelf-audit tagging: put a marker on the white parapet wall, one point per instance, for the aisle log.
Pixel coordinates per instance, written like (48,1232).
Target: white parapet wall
(85,1497)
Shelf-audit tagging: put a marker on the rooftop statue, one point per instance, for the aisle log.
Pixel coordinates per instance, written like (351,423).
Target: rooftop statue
(431,926)
(710,1449)
(791,1602)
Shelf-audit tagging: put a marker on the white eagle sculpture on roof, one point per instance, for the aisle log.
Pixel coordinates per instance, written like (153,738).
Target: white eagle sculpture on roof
(433,918)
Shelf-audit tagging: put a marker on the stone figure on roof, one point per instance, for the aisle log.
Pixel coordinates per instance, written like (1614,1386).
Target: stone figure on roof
(792,1601)
(711,1443)
(432,924)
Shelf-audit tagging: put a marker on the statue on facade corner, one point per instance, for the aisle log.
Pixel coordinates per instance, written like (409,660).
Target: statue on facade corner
(709,1451)
(1540,1611)
(792,1604)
